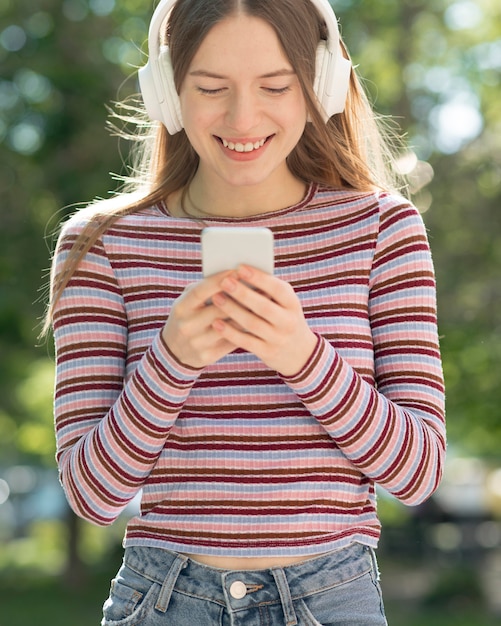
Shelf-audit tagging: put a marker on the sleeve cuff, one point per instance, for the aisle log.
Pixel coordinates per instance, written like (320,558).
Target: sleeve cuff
(305,372)
(174,364)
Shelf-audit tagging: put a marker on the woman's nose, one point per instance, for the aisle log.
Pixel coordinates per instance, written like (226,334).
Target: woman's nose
(243,111)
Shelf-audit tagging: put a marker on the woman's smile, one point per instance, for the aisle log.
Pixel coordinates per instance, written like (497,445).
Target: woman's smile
(242,145)
(244,150)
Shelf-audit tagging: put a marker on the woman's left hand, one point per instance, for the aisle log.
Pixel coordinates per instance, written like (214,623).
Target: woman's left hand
(265,317)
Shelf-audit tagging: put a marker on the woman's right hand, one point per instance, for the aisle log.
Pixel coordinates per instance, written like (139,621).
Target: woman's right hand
(188,331)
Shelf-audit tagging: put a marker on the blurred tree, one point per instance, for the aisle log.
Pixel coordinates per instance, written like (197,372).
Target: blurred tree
(62,63)
(59,71)
(434,64)
(436,67)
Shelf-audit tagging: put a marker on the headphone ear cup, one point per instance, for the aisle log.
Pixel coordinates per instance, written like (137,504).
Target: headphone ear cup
(321,67)
(336,89)
(332,79)
(156,81)
(149,93)
(171,105)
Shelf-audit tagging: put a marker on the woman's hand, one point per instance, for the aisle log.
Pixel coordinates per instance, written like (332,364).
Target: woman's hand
(262,314)
(189,332)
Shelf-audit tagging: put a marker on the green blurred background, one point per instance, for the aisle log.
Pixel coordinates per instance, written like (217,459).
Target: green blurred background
(435,66)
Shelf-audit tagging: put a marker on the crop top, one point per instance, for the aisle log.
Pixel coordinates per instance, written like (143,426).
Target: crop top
(235,459)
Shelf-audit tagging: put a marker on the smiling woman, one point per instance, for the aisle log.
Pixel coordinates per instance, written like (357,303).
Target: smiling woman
(256,412)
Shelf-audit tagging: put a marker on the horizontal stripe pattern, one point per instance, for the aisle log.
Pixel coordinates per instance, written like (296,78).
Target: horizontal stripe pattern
(234,459)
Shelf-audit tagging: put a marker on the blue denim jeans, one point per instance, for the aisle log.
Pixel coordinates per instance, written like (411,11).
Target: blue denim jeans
(160,588)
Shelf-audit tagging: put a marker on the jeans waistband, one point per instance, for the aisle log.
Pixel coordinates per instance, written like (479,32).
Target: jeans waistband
(238,590)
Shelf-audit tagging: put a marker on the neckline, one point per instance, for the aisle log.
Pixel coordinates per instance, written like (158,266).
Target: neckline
(310,193)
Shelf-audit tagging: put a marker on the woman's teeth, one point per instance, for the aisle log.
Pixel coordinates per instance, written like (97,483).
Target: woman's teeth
(243,147)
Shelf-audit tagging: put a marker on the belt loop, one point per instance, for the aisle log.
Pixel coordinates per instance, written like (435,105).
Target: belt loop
(374,563)
(169,582)
(285,596)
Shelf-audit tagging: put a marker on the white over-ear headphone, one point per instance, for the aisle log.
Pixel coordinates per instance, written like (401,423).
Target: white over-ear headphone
(156,78)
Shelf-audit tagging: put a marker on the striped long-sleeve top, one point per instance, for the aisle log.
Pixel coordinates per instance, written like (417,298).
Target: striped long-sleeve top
(234,459)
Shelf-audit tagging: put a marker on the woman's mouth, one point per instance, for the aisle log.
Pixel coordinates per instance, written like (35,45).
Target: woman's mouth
(241,146)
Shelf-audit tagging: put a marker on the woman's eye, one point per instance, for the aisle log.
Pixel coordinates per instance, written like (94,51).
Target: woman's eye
(210,92)
(277,90)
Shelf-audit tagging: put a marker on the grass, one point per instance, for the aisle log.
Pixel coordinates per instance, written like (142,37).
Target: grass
(399,617)
(47,603)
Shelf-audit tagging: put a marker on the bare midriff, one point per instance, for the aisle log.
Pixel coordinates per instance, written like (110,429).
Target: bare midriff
(244,563)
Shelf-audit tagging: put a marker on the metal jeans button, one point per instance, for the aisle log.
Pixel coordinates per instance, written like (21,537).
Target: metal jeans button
(238,590)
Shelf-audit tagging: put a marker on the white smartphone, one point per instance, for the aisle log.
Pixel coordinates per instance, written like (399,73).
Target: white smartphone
(227,247)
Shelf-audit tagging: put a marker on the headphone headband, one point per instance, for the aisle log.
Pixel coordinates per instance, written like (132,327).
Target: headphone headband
(161,99)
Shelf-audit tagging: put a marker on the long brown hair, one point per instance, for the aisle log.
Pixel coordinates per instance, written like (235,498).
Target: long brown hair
(350,151)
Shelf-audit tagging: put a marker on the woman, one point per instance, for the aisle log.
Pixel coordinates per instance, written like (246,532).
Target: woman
(256,412)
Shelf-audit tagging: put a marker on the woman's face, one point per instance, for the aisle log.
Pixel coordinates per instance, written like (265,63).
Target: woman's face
(242,105)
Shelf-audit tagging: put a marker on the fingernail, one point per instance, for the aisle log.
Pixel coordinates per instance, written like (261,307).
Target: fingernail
(229,284)
(219,299)
(244,271)
(218,325)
